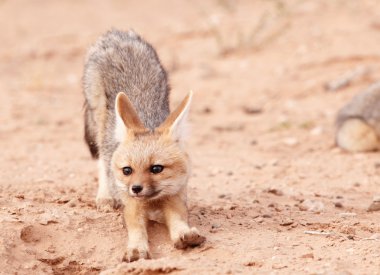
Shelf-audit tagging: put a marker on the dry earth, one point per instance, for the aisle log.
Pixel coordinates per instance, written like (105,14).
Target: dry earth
(266,171)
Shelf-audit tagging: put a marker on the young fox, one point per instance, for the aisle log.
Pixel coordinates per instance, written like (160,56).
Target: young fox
(139,143)
(358,122)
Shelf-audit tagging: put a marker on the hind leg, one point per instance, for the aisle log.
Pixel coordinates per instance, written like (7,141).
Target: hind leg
(90,132)
(357,136)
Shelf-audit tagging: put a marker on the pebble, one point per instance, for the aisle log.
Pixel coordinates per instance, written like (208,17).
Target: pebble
(347,215)
(28,234)
(312,206)
(216,225)
(287,222)
(216,208)
(373,237)
(338,204)
(308,256)
(279,266)
(316,131)
(275,191)
(73,202)
(312,232)
(290,141)
(376,199)
(374,206)
(252,110)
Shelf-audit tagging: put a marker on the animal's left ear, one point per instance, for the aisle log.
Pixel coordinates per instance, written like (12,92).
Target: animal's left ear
(175,123)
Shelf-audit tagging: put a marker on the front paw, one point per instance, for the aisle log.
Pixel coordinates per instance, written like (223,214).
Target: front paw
(134,254)
(191,238)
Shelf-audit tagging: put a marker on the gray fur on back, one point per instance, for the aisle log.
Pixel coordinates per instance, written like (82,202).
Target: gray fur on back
(122,62)
(365,106)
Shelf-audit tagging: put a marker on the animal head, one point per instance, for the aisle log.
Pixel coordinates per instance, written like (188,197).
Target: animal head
(150,164)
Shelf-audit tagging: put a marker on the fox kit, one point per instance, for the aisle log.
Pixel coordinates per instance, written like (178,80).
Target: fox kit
(358,123)
(139,143)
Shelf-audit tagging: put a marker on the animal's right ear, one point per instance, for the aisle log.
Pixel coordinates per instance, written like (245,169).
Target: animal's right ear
(127,119)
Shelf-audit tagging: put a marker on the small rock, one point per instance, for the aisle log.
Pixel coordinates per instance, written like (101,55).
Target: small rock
(312,206)
(348,229)
(376,199)
(47,218)
(290,141)
(279,266)
(215,225)
(375,206)
(287,222)
(374,237)
(308,256)
(206,110)
(252,110)
(73,202)
(216,208)
(52,261)
(29,234)
(253,142)
(274,191)
(50,249)
(347,215)
(338,204)
(259,220)
(233,207)
(316,131)
(254,263)
(273,162)
(313,232)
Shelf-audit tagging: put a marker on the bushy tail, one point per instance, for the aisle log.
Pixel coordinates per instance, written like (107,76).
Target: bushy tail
(357,136)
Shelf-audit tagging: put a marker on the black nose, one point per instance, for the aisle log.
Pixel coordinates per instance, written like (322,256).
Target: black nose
(137,189)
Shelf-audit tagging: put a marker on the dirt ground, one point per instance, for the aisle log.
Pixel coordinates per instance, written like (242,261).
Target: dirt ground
(269,190)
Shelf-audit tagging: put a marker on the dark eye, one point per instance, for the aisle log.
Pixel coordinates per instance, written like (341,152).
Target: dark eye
(155,169)
(127,170)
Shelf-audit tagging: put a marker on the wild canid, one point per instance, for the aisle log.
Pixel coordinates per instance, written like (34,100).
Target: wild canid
(358,122)
(143,164)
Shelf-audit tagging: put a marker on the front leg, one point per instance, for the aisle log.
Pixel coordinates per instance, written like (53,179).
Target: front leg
(104,200)
(176,217)
(136,221)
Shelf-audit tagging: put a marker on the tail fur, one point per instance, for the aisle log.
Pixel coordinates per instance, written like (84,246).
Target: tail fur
(355,135)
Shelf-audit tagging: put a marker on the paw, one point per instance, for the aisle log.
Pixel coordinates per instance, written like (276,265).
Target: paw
(105,204)
(134,254)
(191,238)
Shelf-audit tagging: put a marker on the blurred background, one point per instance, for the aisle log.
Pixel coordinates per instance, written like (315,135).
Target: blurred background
(264,74)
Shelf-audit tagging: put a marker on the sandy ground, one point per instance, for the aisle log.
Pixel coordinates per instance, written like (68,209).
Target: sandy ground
(266,171)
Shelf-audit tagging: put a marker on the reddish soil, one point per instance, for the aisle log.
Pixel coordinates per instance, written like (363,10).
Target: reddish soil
(270,190)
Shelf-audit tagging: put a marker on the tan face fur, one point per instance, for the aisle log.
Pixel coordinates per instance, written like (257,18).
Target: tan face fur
(141,149)
(141,153)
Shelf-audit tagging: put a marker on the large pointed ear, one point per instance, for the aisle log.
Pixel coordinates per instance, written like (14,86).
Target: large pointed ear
(126,117)
(175,123)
